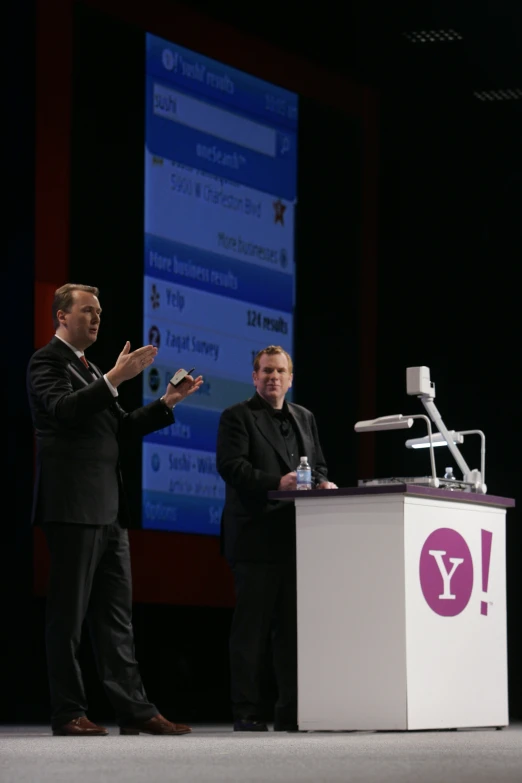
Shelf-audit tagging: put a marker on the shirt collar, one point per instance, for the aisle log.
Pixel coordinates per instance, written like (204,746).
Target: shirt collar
(282,412)
(79,354)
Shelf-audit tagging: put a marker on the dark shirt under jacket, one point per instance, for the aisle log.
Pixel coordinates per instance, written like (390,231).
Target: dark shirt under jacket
(287,427)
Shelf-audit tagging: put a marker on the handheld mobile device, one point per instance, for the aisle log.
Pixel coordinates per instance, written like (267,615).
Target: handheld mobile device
(179,375)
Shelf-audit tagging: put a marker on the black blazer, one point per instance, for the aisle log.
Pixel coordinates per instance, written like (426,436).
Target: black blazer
(78,425)
(251,458)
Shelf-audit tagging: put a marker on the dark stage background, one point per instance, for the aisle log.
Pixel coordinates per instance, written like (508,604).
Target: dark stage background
(433,220)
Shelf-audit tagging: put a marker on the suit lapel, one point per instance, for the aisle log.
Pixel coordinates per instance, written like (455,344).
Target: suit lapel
(269,429)
(87,374)
(306,442)
(74,365)
(79,375)
(98,373)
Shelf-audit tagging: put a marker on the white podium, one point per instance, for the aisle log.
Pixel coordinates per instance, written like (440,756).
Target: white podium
(401,596)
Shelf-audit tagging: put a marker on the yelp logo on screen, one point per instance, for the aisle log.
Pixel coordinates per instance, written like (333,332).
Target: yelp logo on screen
(154,297)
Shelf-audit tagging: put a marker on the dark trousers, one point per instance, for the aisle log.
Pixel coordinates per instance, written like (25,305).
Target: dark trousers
(266,610)
(90,579)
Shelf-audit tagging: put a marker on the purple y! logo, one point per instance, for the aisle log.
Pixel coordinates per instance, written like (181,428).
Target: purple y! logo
(446,572)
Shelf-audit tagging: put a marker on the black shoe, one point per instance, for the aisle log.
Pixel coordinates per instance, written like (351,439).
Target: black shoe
(249,724)
(286,727)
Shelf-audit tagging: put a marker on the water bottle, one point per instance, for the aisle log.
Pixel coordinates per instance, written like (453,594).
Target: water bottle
(304,474)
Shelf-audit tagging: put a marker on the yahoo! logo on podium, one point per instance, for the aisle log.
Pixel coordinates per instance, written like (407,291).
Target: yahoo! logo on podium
(446,571)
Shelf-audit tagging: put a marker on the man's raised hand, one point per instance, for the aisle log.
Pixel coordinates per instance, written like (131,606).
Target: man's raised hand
(131,363)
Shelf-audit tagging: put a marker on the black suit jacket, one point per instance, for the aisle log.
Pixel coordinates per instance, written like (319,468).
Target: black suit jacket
(78,426)
(251,458)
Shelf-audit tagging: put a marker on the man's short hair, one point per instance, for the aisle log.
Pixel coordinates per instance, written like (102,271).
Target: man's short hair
(271,350)
(64,298)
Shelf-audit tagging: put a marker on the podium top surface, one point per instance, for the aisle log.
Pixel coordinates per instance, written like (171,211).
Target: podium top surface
(412,490)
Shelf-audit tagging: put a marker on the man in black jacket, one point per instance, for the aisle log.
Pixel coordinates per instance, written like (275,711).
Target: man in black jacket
(79,502)
(259,445)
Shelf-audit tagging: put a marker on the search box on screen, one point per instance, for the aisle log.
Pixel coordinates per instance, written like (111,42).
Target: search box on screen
(204,117)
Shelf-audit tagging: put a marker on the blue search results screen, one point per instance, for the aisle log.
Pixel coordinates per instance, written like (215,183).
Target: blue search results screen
(219,275)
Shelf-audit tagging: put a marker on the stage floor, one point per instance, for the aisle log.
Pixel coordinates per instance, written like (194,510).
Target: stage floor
(214,753)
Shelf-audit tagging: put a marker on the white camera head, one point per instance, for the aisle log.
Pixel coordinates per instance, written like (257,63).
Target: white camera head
(418,381)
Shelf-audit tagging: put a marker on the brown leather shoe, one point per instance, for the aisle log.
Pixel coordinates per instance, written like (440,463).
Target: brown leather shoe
(156,725)
(80,727)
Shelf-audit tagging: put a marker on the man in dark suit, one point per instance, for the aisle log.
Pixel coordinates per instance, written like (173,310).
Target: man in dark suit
(259,445)
(79,502)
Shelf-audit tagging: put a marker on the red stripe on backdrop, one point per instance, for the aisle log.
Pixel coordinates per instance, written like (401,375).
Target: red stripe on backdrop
(53,132)
(43,324)
(52,185)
